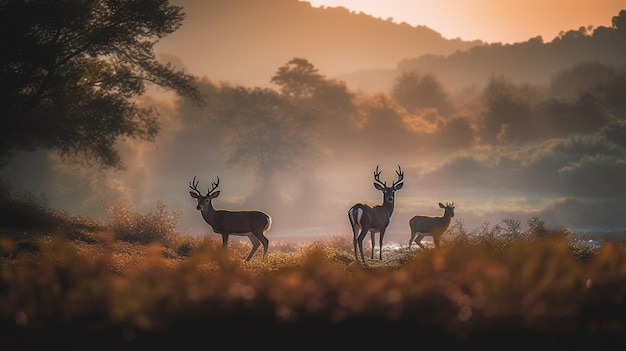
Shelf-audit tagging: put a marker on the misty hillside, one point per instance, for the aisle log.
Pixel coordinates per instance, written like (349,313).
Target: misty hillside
(245,41)
(533,62)
(305,150)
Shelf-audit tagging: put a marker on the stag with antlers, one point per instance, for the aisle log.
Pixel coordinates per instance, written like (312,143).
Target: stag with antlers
(253,224)
(374,219)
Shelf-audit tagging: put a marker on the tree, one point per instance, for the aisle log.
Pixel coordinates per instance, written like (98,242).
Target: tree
(329,101)
(71,71)
(567,83)
(415,92)
(383,130)
(263,133)
(298,78)
(506,111)
(619,21)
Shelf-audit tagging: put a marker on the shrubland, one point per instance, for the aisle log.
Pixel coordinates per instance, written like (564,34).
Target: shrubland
(131,280)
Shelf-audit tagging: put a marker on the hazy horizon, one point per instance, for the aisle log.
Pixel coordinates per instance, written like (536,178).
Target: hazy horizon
(491,21)
(567,174)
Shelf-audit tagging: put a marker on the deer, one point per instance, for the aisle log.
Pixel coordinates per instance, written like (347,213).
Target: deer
(253,224)
(422,226)
(374,219)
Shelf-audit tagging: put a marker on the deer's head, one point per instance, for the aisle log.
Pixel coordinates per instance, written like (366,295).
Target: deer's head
(204,201)
(448,208)
(389,192)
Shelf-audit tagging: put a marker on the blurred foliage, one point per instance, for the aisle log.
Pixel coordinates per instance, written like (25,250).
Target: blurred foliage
(71,71)
(23,215)
(415,92)
(25,211)
(159,226)
(136,278)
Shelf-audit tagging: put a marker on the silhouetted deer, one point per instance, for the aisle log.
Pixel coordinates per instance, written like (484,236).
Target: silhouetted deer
(365,218)
(253,224)
(433,226)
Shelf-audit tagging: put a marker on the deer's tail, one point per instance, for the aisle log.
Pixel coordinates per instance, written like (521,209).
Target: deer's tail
(268,225)
(355,214)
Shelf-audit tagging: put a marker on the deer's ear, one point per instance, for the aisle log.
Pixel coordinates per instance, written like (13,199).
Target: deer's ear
(441,205)
(378,186)
(194,195)
(215,194)
(399,186)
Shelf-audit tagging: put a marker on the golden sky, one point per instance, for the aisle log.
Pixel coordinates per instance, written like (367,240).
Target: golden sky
(565,179)
(492,21)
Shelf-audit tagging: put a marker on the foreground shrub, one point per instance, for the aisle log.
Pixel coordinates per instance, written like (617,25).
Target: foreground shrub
(24,217)
(138,278)
(130,226)
(23,211)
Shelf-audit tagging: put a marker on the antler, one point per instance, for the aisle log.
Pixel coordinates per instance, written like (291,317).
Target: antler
(193,185)
(377,177)
(214,185)
(400,174)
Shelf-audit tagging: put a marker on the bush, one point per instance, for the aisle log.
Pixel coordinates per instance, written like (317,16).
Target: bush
(129,226)
(508,237)
(140,283)
(23,211)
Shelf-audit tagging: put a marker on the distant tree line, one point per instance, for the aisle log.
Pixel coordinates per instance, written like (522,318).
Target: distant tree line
(531,61)
(72,70)
(311,118)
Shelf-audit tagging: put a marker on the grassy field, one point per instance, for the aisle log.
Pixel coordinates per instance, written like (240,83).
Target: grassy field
(133,281)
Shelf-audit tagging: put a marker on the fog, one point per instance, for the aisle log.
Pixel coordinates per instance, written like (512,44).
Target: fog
(498,150)
(573,181)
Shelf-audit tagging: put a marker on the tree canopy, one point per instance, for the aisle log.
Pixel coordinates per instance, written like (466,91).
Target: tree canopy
(298,78)
(415,92)
(262,131)
(70,71)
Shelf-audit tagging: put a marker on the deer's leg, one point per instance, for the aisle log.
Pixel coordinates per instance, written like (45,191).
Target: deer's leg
(418,240)
(355,231)
(436,239)
(373,237)
(360,242)
(225,241)
(255,245)
(266,243)
(413,234)
(380,244)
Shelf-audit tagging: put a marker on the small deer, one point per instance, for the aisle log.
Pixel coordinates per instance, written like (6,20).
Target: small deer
(365,218)
(253,224)
(433,226)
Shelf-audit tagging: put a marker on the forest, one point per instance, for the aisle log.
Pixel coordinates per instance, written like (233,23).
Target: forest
(96,132)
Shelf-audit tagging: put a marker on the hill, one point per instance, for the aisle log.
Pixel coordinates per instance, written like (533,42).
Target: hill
(246,41)
(533,61)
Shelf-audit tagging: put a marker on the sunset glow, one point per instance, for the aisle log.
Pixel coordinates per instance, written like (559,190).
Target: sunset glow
(489,20)
(306,98)
(174,170)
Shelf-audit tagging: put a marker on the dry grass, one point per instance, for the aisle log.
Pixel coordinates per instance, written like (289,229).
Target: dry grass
(96,290)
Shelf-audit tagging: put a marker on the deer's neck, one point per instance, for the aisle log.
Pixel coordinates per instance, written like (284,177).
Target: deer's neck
(387,206)
(209,214)
(446,218)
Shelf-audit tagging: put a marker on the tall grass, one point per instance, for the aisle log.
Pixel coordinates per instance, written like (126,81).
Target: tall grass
(129,226)
(134,281)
